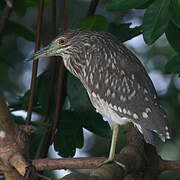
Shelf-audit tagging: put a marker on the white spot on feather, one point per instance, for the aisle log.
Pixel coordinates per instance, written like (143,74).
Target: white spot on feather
(122,72)
(93,94)
(138,127)
(121,97)
(115,108)
(145,115)
(132,76)
(138,86)
(97,86)
(129,113)
(113,95)
(113,66)
(108,92)
(106,81)
(110,105)
(148,110)
(124,111)
(167,135)
(132,95)
(135,116)
(145,91)
(2,134)
(120,110)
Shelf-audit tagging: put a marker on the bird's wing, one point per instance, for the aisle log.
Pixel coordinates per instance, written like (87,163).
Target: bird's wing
(125,85)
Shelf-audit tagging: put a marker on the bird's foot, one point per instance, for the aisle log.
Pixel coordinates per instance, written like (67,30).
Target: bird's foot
(107,161)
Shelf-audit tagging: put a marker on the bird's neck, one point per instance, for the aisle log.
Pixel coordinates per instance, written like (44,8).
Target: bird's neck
(75,65)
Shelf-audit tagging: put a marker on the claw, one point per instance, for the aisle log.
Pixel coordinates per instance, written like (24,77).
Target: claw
(107,161)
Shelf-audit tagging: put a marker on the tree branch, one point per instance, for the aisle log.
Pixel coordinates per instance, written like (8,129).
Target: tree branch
(139,158)
(53,63)
(59,98)
(5,15)
(13,145)
(166,165)
(67,163)
(35,67)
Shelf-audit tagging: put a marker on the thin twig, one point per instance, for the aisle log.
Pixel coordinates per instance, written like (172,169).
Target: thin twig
(59,97)
(35,67)
(5,15)
(46,141)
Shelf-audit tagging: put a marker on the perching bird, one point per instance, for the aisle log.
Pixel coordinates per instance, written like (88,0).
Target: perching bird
(116,81)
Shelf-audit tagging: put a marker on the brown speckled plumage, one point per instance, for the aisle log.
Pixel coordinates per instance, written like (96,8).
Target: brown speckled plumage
(116,81)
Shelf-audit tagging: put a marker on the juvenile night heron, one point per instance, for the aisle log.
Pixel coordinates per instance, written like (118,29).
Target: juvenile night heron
(116,81)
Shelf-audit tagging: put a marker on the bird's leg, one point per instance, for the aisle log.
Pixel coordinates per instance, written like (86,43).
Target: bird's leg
(113,148)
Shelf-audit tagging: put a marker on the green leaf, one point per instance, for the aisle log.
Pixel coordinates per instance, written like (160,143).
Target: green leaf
(77,94)
(123,32)
(94,122)
(22,103)
(95,22)
(173,66)
(118,5)
(20,8)
(2,5)
(145,5)
(80,138)
(35,4)
(155,20)
(19,30)
(43,91)
(173,36)
(5,61)
(25,100)
(175,11)
(69,135)
(35,143)
(18,119)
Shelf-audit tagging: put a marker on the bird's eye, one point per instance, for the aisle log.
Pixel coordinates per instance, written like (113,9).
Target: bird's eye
(62,41)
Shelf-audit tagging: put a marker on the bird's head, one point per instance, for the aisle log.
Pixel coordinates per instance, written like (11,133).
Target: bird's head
(77,48)
(66,44)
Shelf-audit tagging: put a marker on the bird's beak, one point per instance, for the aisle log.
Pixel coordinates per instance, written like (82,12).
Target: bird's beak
(49,50)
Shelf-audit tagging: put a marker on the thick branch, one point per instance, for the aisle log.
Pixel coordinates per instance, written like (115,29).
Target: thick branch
(90,163)
(13,145)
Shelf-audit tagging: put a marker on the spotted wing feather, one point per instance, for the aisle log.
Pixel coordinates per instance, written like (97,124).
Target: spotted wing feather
(119,79)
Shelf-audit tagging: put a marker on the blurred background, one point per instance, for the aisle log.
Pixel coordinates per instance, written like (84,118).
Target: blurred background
(15,73)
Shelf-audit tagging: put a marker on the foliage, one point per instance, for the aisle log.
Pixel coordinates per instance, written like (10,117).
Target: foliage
(160,16)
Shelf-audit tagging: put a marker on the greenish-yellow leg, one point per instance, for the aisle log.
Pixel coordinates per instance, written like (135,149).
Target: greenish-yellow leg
(113,148)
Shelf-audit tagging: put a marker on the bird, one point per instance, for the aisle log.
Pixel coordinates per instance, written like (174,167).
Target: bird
(115,79)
